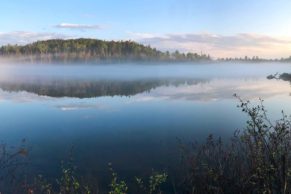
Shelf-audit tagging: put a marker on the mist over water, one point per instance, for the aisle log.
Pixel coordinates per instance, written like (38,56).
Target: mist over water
(142,71)
(128,114)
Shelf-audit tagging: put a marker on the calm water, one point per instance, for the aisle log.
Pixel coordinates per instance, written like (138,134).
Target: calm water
(129,115)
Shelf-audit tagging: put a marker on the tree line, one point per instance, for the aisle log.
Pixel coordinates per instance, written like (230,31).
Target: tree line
(93,50)
(253,59)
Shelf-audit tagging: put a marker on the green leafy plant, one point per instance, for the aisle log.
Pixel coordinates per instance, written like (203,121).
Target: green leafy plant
(256,160)
(68,183)
(117,186)
(154,183)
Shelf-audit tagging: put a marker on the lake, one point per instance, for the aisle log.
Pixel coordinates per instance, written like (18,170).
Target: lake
(130,115)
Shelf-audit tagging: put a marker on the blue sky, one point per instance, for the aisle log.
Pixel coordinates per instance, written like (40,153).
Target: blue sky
(221,27)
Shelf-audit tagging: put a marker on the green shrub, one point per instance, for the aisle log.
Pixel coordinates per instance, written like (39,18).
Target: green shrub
(256,160)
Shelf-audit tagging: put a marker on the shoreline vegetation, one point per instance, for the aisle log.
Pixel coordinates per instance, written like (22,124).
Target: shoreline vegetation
(255,160)
(93,51)
(96,51)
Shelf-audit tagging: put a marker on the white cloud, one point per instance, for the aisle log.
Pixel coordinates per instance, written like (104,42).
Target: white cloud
(237,45)
(24,37)
(137,35)
(78,26)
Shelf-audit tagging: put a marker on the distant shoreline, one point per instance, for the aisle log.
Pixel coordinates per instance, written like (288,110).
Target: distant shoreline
(58,61)
(94,51)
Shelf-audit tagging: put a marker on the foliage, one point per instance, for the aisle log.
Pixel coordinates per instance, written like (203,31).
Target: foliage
(116,186)
(93,50)
(154,182)
(257,160)
(68,183)
(253,59)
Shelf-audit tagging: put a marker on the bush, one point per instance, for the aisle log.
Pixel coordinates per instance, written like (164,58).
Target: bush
(256,160)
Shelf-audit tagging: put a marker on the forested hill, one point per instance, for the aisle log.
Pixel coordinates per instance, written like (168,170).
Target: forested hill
(92,50)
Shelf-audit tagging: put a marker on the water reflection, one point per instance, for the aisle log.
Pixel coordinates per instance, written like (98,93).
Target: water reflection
(142,90)
(198,82)
(90,88)
(220,89)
